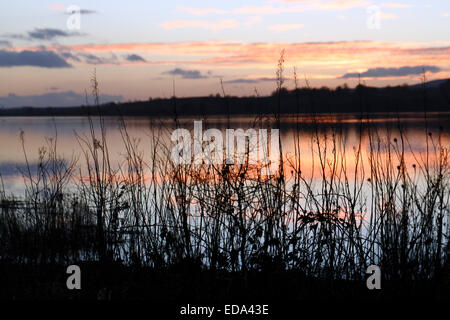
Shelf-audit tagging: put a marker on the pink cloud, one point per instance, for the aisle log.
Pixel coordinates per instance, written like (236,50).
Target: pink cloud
(285,27)
(292,6)
(209,25)
(341,4)
(396,5)
(56,7)
(321,57)
(201,12)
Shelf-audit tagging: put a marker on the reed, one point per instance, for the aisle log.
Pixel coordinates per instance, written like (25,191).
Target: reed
(349,210)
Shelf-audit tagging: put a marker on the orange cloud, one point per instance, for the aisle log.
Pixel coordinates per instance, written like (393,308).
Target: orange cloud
(292,6)
(387,16)
(317,57)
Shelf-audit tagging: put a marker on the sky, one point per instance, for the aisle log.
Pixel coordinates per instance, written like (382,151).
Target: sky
(147,49)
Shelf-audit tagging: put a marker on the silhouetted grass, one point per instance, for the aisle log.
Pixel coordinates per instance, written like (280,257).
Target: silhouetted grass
(348,211)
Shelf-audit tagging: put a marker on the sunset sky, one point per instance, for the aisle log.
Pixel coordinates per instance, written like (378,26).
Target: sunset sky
(139,48)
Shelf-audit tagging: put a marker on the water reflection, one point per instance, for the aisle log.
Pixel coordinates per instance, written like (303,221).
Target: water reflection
(300,135)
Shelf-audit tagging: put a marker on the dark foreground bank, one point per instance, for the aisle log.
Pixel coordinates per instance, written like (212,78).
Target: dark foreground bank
(188,282)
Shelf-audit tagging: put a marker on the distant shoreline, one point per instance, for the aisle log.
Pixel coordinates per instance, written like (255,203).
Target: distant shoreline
(371,115)
(361,100)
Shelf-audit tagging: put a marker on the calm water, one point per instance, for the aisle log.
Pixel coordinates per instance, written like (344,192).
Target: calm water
(347,130)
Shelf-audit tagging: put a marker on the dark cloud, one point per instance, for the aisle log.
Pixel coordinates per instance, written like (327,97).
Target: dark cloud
(43,58)
(44,34)
(5,44)
(186,74)
(257,80)
(69,55)
(392,72)
(11,169)
(135,58)
(90,58)
(53,99)
(50,34)
(83,11)
(15,36)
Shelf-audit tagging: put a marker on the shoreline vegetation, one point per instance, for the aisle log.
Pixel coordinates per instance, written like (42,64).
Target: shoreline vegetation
(151,229)
(398,99)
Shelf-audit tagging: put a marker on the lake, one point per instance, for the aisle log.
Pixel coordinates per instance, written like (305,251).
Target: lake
(346,193)
(347,131)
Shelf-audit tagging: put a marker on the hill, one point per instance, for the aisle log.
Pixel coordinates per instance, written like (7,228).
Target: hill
(431,96)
